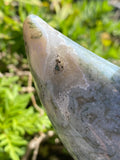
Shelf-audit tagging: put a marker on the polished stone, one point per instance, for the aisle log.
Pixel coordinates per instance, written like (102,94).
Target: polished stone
(79,90)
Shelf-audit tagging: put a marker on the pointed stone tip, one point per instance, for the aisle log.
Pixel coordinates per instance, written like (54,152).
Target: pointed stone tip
(33,19)
(34,28)
(35,37)
(31,26)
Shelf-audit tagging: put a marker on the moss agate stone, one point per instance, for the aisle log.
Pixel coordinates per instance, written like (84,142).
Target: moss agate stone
(79,90)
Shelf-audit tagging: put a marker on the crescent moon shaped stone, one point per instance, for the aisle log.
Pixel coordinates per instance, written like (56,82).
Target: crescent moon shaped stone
(79,90)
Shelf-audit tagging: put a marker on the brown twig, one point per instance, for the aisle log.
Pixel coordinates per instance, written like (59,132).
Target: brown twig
(39,140)
(33,97)
(35,143)
(28,89)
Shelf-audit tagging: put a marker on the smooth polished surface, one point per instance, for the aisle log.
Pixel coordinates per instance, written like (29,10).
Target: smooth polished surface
(80,91)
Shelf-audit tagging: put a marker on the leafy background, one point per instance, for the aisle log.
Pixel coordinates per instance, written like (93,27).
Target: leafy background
(25,130)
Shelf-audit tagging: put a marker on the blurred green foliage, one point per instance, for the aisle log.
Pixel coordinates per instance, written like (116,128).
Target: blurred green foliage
(91,23)
(17,121)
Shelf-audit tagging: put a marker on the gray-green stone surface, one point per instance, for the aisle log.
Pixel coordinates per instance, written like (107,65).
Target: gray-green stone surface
(79,90)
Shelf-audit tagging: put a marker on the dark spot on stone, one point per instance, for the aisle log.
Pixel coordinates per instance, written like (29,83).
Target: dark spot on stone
(58,67)
(31,25)
(58,61)
(36,35)
(91,117)
(82,100)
